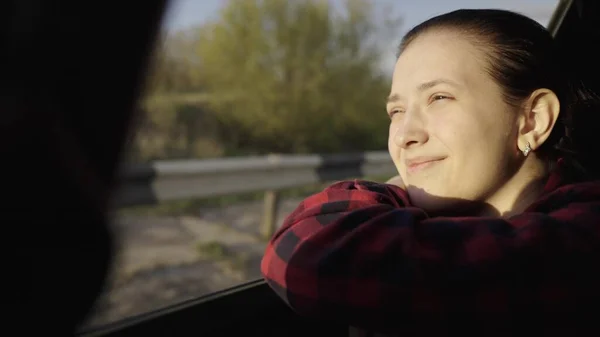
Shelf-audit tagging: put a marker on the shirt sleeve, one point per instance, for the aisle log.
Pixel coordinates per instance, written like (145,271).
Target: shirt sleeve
(358,253)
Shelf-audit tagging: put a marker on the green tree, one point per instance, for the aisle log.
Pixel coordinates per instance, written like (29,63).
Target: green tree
(294,76)
(270,76)
(173,121)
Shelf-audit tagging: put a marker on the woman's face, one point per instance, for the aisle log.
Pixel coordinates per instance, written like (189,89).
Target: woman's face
(452,137)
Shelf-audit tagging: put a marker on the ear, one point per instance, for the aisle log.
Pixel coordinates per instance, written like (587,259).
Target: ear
(539,117)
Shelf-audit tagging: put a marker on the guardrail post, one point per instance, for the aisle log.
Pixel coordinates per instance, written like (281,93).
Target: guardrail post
(269,221)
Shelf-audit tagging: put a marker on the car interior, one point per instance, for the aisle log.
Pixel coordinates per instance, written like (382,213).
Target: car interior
(65,129)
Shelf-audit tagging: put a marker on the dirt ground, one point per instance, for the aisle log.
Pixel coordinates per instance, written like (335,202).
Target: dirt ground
(165,260)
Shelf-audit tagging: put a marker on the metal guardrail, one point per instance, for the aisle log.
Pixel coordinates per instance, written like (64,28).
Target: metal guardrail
(171,180)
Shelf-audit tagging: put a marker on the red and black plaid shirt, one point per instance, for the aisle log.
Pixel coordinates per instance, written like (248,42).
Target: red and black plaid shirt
(360,254)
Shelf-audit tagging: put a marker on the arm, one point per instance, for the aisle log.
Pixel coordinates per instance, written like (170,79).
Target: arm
(358,253)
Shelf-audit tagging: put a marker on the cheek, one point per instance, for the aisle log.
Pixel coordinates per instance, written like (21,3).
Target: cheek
(475,141)
(391,134)
(394,149)
(455,132)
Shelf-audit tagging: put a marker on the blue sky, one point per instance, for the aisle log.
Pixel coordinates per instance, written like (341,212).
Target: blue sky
(186,13)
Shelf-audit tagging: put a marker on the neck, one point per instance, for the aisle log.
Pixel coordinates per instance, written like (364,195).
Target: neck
(520,190)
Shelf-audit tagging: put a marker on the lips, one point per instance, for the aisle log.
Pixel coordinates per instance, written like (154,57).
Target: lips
(418,164)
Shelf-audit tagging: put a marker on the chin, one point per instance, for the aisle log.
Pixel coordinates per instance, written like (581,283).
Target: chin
(439,204)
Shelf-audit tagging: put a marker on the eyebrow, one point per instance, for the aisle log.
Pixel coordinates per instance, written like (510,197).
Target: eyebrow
(424,86)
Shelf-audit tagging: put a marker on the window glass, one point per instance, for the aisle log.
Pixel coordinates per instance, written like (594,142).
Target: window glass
(234,79)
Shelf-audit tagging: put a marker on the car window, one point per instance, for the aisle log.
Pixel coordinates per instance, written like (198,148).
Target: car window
(241,97)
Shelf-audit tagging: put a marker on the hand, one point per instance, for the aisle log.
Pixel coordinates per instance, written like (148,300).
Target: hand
(397,180)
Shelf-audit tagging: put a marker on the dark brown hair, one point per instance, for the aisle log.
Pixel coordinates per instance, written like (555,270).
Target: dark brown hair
(522,57)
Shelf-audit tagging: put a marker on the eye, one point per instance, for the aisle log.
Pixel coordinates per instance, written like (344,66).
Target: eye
(439,97)
(393,112)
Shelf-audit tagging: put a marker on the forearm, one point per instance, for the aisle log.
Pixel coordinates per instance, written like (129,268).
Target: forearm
(358,252)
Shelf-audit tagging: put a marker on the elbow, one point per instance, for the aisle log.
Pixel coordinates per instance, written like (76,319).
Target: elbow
(287,295)
(286,285)
(291,270)
(298,303)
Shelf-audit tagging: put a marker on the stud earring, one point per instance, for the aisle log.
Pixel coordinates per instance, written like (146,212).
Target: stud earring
(527,149)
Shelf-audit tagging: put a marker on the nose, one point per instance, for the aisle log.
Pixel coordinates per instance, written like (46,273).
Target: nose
(410,131)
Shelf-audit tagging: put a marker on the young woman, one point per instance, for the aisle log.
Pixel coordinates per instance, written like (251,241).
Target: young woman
(492,225)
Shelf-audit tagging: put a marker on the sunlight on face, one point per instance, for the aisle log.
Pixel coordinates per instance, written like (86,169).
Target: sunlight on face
(451,133)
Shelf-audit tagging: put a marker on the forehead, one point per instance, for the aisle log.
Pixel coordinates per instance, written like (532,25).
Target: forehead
(440,54)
